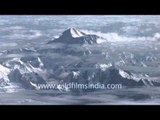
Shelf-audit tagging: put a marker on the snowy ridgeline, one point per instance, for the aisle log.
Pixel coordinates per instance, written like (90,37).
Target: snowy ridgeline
(83,64)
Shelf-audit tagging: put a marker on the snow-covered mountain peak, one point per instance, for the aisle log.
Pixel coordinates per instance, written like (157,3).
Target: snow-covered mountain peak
(73,33)
(76,33)
(74,36)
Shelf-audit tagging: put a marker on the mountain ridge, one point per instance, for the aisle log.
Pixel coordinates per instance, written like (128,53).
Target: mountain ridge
(74,36)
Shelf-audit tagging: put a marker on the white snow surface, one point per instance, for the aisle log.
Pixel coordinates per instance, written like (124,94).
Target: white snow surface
(75,33)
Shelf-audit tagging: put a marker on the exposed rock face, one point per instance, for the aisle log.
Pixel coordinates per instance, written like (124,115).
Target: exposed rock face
(73,36)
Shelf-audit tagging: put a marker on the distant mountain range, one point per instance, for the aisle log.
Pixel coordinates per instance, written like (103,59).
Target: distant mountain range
(42,68)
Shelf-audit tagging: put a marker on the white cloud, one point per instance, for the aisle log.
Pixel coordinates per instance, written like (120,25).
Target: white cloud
(115,37)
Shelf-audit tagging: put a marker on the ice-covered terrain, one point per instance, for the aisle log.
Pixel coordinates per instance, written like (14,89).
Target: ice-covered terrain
(104,50)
